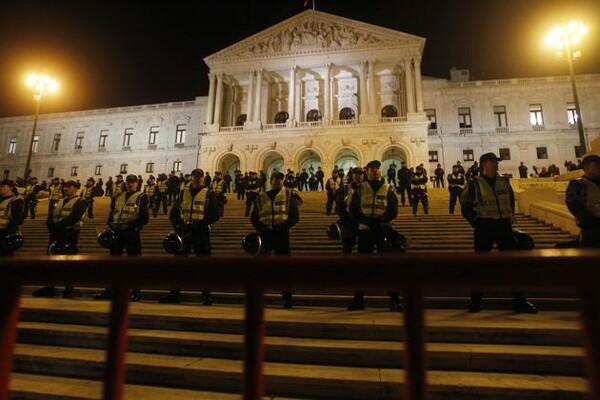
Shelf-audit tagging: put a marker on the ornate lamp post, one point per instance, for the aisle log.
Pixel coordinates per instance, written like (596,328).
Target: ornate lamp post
(42,85)
(565,38)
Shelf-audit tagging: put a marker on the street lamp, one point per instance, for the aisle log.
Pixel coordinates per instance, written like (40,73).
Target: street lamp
(564,38)
(42,85)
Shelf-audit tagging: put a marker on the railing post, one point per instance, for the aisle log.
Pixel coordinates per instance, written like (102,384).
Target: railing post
(254,348)
(114,376)
(9,316)
(591,330)
(415,365)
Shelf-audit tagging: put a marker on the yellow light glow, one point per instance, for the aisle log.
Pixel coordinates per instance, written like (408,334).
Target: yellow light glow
(570,34)
(43,84)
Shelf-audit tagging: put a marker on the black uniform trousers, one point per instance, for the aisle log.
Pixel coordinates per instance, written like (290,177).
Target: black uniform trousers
(487,232)
(404,187)
(455,192)
(278,243)
(200,244)
(250,198)
(420,195)
(129,241)
(370,240)
(30,207)
(330,202)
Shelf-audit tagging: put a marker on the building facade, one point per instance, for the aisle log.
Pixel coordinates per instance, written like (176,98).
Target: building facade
(315,90)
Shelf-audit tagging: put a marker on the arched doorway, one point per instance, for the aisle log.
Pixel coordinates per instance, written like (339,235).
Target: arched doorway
(346,159)
(273,161)
(229,163)
(281,117)
(310,161)
(313,116)
(389,112)
(393,156)
(347,113)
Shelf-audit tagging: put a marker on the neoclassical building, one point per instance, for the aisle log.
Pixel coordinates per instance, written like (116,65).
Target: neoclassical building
(315,90)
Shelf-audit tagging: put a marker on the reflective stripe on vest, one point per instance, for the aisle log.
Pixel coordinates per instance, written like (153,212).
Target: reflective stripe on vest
(372,204)
(119,188)
(193,209)
(457,177)
(56,192)
(87,192)
(334,184)
(217,186)
(592,197)
(274,212)
(162,186)
(65,209)
(126,210)
(5,211)
(422,186)
(492,203)
(253,182)
(150,189)
(349,194)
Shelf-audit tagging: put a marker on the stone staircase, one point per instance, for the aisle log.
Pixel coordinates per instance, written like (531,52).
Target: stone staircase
(317,350)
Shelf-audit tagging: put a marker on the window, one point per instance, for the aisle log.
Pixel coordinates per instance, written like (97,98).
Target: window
(50,172)
(433,156)
(127,137)
(500,116)
(152,135)
(464,117)
(34,145)
(73,171)
(430,113)
(468,155)
(180,133)
(12,146)
(505,154)
(103,136)
(98,170)
(150,168)
(79,141)
(388,111)
(347,113)
(241,120)
(571,114)
(123,169)
(314,116)
(280,118)
(535,114)
(177,166)
(542,153)
(56,142)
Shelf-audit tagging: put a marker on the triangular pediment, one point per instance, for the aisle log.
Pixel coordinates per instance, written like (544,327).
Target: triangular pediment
(313,32)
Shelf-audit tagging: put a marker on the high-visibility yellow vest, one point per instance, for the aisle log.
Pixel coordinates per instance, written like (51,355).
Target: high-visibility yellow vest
(119,188)
(126,210)
(492,203)
(250,185)
(453,176)
(372,205)
(64,209)
(162,186)
(193,209)
(414,185)
(28,189)
(183,185)
(349,193)
(272,213)
(5,211)
(56,192)
(592,198)
(217,186)
(150,189)
(334,184)
(87,192)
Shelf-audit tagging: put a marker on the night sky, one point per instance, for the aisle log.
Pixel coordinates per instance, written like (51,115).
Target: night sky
(120,53)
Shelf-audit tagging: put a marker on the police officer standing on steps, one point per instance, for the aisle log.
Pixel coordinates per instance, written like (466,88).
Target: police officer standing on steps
(251,188)
(418,184)
(373,204)
(332,186)
(583,201)
(274,213)
(88,194)
(218,187)
(56,191)
(118,186)
(31,197)
(64,225)
(194,214)
(456,184)
(349,226)
(128,215)
(488,203)
(151,191)
(11,213)
(404,178)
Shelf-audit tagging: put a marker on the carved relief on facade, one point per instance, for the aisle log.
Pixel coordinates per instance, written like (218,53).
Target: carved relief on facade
(347,93)
(313,35)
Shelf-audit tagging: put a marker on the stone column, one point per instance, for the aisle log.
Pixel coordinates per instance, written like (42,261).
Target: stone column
(327,95)
(363,99)
(292,96)
(408,82)
(250,103)
(219,99)
(371,85)
(258,101)
(298,110)
(210,109)
(418,84)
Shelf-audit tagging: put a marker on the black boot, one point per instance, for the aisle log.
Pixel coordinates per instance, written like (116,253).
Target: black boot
(474,305)
(46,291)
(206,298)
(395,303)
(103,295)
(358,303)
(173,297)
(70,292)
(136,295)
(287,300)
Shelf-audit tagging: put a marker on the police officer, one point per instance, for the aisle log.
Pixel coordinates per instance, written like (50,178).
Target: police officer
(11,213)
(251,188)
(56,191)
(88,194)
(456,184)
(349,226)
(151,191)
(128,215)
(488,203)
(239,184)
(373,203)
(162,192)
(218,187)
(332,186)
(418,184)
(118,186)
(274,213)
(404,178)
(320,175)
(31,197)
(583,201)
(194,214)
(64,225)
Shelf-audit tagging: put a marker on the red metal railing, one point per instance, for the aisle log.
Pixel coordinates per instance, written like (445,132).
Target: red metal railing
(568,268)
